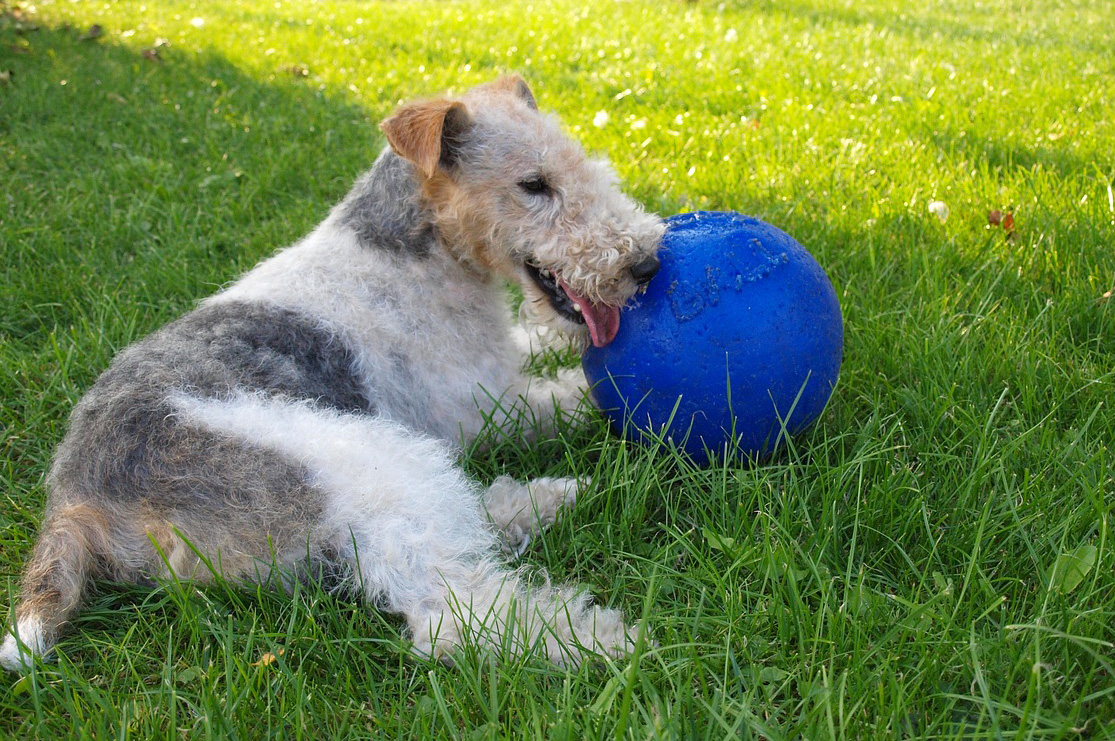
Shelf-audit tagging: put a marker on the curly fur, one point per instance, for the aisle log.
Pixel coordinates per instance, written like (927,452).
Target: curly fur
(309,414)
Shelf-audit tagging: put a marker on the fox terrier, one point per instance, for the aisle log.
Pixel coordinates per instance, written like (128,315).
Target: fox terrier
(309,415)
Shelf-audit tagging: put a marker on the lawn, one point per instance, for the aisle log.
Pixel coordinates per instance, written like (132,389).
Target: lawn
(933,559)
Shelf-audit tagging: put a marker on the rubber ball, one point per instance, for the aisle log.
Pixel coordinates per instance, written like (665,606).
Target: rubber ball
(735,345)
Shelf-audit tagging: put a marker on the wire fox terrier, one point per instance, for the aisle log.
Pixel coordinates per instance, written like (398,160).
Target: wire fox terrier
(308,415)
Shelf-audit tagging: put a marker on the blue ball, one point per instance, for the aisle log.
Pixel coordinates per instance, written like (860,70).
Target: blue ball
(736,343)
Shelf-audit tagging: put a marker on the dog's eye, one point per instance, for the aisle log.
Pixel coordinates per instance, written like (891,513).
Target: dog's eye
(535,184)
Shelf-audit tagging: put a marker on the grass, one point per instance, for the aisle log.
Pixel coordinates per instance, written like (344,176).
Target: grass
(932,560)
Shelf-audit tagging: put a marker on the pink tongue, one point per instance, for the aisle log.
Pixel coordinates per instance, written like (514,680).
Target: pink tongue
(602,321)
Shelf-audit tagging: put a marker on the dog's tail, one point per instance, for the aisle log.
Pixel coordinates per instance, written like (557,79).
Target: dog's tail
(73,540)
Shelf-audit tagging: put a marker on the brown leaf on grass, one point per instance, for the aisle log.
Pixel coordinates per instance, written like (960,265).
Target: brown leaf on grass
(95,32)
(1008,226)
(269,658)
(297,70)
(995,217)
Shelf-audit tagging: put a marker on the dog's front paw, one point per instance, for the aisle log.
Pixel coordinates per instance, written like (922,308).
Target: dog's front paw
(520,510)
(550,495)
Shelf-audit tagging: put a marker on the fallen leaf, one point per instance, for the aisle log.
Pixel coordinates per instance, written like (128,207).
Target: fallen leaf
(297,70)
(269,658)
(995,217)
(772,674)
(22,686)
(1107,295)
(153,53)
(190,674)
(1008,222)
(719,542)
(95,32)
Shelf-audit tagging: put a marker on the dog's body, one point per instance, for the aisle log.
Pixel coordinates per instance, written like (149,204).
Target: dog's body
(307,414)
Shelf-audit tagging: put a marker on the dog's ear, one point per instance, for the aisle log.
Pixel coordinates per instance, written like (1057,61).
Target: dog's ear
(428,133)
(516,85)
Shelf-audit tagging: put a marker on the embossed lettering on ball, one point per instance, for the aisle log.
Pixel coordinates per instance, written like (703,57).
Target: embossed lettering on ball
(735,345)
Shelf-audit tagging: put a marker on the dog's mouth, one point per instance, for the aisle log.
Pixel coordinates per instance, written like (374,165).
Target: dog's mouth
(602,320)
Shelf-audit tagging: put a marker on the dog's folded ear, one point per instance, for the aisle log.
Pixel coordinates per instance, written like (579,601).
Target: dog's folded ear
(515,85)
(428,133)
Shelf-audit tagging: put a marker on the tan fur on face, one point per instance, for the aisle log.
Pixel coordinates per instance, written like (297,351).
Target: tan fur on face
(585,230)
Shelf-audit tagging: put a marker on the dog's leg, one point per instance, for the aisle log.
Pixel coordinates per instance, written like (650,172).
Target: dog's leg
(418,538)
(518,511)
(435,562)
(411,527)
(532,406)
(482,603)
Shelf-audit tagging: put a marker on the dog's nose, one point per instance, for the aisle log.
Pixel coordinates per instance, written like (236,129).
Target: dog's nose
(645,269)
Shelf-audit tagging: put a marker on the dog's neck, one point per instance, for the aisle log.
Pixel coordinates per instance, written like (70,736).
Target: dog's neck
(389,210)
(386,210)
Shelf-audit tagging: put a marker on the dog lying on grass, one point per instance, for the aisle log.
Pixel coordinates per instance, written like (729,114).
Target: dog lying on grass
(308,414)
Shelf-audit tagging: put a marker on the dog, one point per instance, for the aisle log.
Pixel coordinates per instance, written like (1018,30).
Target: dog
(311,414)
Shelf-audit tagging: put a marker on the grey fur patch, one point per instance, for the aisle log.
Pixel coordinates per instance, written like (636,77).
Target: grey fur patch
(385,209)
(125,443)
(223,347)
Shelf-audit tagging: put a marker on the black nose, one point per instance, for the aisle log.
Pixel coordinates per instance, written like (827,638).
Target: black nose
(645,269)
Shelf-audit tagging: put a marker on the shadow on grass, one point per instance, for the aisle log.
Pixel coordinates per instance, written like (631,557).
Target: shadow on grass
(148,179)
(1005,156)
(919,25)
(130,187)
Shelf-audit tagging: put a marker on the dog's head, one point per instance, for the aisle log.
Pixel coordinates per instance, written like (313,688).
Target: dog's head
(512,195)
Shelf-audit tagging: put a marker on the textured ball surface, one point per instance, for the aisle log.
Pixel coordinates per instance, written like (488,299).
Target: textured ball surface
(736,342)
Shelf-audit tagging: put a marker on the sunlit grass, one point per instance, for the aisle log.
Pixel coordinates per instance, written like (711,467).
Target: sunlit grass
(933,559)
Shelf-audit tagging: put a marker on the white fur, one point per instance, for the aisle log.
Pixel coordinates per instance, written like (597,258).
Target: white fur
(16,654)
(367,297)
(518,510)
(412,527)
